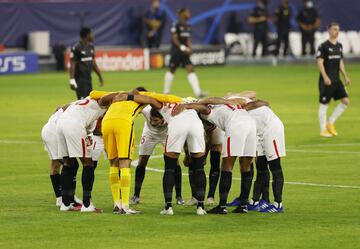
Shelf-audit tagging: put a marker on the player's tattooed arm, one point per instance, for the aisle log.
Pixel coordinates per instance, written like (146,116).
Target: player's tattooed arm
(221,101)
(200,108)
(256,104)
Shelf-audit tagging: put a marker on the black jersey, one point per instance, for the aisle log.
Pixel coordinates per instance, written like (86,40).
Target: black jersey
(260,11)
(332,55)
(283,16)
(83,56)
(308,16)
(183,31)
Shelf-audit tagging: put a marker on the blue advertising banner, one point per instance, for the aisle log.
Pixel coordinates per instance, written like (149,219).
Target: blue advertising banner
(20,62)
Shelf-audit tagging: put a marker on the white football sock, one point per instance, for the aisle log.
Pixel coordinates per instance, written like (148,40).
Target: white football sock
(322,116)
(339,109)
(167,82)
(194,82)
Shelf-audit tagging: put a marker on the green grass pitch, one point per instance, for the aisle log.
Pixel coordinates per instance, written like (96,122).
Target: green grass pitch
(325,216)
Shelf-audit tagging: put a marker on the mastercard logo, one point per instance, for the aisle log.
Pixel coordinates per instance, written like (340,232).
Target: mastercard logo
(157,61)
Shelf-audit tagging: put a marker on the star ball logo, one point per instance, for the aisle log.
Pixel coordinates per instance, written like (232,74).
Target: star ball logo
(157,61)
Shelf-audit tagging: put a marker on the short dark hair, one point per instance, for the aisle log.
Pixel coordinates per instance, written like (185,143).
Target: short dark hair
(154,113)
(332,24)
(84,32)
(141,89)
(181,10)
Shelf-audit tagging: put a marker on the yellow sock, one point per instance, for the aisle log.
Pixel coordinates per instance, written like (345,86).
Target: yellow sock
(115,184)
(125,179)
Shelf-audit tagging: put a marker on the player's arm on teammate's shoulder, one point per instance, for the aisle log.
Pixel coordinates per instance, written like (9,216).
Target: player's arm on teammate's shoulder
(142,99)
(221,101)
(200,108)
(256,104)
(344,73)
(97,71)
(248,94)
(108,98)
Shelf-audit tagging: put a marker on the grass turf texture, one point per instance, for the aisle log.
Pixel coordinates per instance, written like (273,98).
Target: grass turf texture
(314,217)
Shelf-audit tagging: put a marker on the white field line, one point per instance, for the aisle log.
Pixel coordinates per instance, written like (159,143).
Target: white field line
(135,162)
(322,145)
(325,151)
(19,142)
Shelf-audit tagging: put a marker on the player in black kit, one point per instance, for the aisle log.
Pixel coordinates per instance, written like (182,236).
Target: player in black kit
(82,62)
(181,49)
(330,61)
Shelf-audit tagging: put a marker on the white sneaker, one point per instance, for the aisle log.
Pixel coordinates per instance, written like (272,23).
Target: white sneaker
(65,208)
(168,211)
(90,209)
(180,201)
(76,199)
(192,202)
(58,201)
(200,211)
(127,210)
(134,200)
(210,201)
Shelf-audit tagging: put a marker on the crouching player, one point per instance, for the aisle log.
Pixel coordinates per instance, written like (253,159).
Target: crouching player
(154,132)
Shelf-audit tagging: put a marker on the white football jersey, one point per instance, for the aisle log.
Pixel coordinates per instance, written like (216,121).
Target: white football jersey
(224,115)
(85,111)
(263,117)
(53,118)
(153,130)
(167,110)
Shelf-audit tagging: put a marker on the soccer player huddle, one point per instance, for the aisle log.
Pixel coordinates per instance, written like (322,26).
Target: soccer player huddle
(237,125)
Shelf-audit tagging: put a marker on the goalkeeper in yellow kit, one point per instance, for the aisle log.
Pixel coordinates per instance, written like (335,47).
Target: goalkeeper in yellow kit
(118,135)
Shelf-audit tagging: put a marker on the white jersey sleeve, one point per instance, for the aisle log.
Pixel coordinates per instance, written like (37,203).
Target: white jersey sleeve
(85,111)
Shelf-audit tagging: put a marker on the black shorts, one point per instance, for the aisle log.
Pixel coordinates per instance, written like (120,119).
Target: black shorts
(83,89)
(179,58)
(336,91)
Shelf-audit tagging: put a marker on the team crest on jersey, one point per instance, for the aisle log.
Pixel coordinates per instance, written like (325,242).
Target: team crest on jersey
(331,50)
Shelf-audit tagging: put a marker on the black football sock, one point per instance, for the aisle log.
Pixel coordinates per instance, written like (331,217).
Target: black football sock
(261,185)
(191,181)
(139,178)
(199,179)
(66,185)
(74,168)
(56,183)
(278,179)
(214,172)
(246,181)
(169,179)
(224,186)
(87,180)
(178,179)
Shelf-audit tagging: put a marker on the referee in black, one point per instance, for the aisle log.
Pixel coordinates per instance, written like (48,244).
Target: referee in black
(82,62)
(330,61)
(181,49)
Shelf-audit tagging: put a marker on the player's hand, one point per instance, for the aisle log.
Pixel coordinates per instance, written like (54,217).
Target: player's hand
(73,85)
(327,81)
(177,109)
(347,80)
(101,81)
